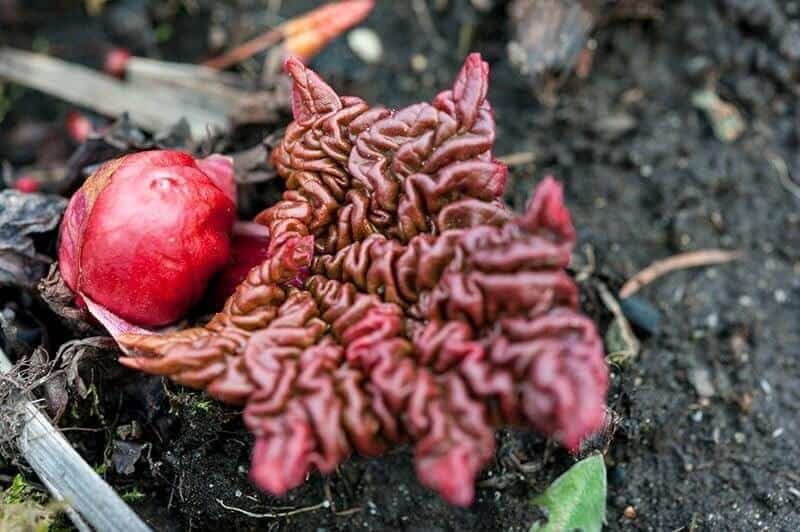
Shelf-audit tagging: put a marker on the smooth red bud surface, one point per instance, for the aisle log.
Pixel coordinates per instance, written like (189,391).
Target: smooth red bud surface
(146,232)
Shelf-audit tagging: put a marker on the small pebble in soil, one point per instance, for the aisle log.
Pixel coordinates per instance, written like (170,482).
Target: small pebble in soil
(217,37)
(482,5)
(701,380)
(629,512)
(366,44)
(746,402)
(726,121)
(419,62)
(616,474)
(641,314)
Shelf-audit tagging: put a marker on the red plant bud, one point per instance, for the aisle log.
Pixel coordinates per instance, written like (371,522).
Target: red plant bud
(146,232)
(27,184)
(116,62)
(79,127)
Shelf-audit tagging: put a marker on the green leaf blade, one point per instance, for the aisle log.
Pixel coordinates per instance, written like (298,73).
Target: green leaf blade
(576,500)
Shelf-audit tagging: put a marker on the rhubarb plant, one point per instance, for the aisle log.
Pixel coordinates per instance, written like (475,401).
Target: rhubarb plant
(399,300)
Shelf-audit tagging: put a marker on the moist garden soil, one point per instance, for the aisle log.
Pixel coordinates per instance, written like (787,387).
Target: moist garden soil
(709,409)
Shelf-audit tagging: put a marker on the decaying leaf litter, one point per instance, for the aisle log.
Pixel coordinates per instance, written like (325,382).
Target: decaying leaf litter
(660,185)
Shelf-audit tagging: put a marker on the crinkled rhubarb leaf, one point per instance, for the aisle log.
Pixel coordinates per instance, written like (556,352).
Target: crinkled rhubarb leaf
(400,301)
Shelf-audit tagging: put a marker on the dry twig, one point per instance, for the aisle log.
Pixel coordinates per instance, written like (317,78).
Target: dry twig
(275,515)
(304,35)
(692,259)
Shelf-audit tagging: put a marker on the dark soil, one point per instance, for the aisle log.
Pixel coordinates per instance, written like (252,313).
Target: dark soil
(645,178)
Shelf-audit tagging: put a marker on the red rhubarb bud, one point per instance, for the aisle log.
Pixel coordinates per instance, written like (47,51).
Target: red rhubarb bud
(145,233)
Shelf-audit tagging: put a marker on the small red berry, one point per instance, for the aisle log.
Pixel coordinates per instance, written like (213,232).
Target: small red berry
(27,184)
(79,127)
(116,62)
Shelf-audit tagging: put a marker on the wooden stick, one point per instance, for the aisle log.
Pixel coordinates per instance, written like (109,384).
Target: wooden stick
(201,85)
(153,108)
(180,73)
(68,477)
(691,259)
